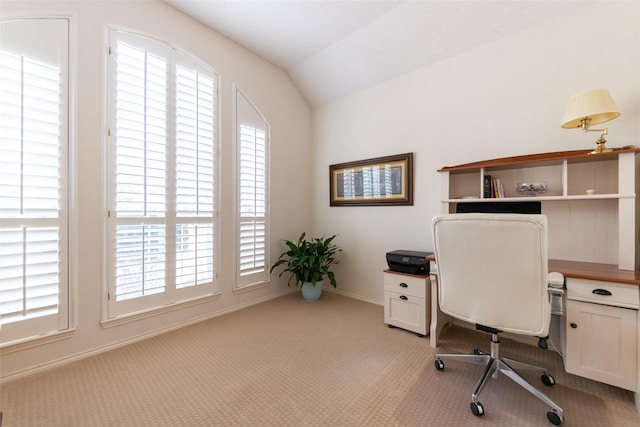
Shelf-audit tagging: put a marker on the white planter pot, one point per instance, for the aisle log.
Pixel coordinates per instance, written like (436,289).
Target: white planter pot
(311,293)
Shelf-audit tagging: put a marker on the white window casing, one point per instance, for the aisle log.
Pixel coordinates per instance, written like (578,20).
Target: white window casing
(252,194)
(34,177)
(162,147)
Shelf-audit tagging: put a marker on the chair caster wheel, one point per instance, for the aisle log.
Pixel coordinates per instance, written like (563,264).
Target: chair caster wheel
(555,419)
(439,365)
(547,380)
(477,409)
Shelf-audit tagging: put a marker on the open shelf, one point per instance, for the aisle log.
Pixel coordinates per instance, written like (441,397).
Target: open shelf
(591,202)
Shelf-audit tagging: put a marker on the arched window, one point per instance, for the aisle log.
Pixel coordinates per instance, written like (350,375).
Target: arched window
(252,183)
(162,172)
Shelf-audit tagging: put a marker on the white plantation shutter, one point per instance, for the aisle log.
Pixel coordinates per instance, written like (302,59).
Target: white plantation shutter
(252,184)
(34,144)
(195,175)
(140,132)
(163,197)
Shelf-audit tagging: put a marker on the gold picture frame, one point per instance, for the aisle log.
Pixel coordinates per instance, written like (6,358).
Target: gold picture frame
(381,181)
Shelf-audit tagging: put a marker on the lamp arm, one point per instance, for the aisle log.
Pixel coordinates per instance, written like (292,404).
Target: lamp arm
(584,125)
(605,131)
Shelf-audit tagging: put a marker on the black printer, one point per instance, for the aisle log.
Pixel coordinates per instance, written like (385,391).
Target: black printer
(411,262)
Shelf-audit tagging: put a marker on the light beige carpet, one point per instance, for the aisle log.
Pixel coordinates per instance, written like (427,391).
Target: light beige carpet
(288,363)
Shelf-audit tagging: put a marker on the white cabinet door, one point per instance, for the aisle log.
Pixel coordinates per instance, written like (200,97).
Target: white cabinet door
(406,302)
(602,343)
(405,311)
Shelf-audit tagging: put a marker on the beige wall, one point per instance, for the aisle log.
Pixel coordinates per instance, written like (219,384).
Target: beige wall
(271,91)
(502,99)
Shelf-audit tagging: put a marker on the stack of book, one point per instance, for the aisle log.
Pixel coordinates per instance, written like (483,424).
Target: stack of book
(492,188)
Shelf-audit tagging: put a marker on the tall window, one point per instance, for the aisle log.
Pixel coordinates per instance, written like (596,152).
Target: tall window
(34,145)
(252,137)
(162,204)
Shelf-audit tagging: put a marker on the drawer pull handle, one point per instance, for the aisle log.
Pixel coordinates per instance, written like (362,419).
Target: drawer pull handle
(403,297)
(601,292)
(404,285)
(573,325)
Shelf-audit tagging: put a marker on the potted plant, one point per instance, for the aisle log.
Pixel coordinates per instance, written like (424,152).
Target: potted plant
(308,262)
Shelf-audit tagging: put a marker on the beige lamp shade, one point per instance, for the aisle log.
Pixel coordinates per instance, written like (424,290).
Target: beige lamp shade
(596,104)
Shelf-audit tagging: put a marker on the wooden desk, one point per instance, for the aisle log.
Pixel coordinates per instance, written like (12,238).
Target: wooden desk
(581,278)
(594,271)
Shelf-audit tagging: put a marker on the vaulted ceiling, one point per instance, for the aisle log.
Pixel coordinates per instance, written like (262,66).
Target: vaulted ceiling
(333,48)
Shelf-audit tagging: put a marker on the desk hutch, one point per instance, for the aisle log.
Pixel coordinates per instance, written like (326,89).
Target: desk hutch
(593,240)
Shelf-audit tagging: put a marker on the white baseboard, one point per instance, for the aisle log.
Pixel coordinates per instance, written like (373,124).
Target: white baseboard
(354,296)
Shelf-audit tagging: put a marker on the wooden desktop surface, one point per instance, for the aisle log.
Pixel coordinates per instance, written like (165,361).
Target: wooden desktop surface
(590,271)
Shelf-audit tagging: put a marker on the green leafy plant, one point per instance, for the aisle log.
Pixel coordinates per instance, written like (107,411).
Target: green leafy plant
(308,260)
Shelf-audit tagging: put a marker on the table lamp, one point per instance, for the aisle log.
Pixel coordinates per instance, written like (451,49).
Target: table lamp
(591,108)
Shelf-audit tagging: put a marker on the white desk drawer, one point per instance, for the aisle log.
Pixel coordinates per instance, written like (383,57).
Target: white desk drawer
(615,294)
(406,312)
(405,284)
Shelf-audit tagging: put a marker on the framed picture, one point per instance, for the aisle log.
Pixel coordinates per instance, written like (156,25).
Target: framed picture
(372,182)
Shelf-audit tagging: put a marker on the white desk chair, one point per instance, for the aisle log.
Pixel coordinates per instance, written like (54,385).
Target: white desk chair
(492,271)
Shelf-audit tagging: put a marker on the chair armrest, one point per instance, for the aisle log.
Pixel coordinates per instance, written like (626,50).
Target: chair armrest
(556,280)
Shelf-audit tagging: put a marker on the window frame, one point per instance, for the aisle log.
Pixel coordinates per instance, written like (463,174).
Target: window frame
(172,298)
(67,302)
(259,278)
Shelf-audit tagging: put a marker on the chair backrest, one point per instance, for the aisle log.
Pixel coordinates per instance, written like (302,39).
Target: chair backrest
(492,270)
